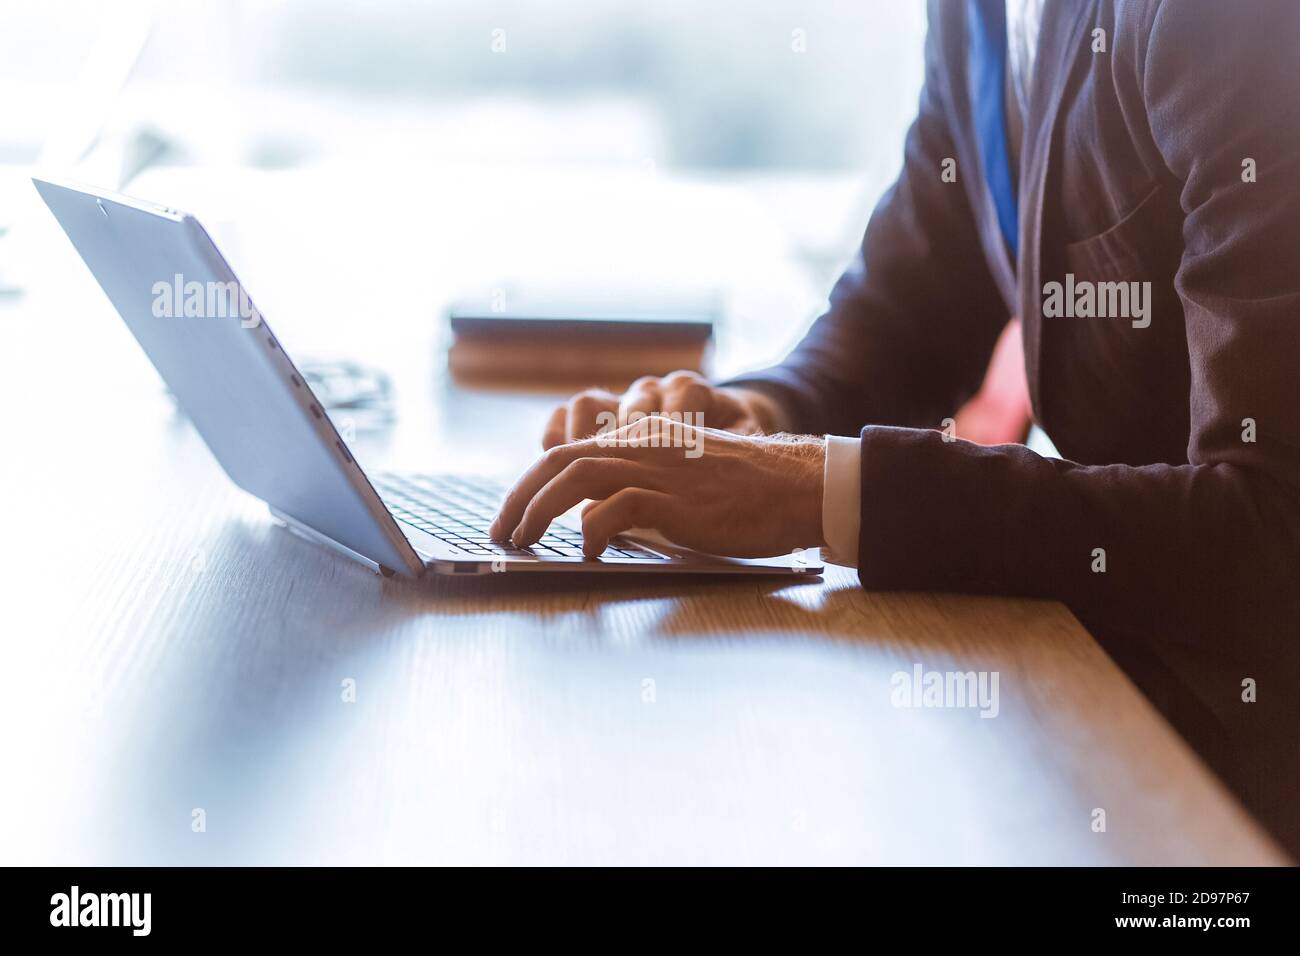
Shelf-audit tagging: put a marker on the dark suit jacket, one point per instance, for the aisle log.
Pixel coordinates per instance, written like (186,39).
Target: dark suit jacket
(1131,170)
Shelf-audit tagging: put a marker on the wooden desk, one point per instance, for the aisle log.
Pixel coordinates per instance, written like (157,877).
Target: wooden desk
(167,648)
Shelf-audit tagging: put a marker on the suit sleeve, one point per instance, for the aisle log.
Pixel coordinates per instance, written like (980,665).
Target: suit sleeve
(912,322)
(1203,556)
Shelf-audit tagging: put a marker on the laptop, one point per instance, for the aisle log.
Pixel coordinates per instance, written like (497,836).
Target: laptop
(256,412)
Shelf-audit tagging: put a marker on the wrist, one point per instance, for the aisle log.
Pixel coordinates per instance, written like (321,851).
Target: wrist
(807,468)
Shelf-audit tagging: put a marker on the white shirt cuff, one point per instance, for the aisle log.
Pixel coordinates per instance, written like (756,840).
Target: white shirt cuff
(842,500)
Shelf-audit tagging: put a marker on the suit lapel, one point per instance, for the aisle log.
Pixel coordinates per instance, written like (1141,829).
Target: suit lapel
(1061,44)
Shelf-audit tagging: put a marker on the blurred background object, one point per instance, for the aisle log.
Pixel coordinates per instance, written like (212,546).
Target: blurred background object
(816,89)
(365,165)
(719,84)
(548,336)
(349,391)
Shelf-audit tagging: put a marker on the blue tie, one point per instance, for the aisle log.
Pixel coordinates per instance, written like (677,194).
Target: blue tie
(988,22)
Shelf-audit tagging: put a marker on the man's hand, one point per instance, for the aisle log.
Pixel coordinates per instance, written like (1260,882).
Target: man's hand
(734,409)
(703,488)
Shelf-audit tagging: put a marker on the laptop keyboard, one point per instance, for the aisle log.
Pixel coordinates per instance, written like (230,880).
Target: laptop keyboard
(459,511)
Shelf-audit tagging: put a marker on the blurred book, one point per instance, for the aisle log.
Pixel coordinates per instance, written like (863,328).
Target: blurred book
(556,335)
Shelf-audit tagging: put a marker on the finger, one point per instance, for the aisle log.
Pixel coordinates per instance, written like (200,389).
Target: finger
(751,412)
(629,508)
(546,467)
(584,478)
(688,395)
(642,396)
(682,377)
(555,427)
(585,411)
(727,411)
